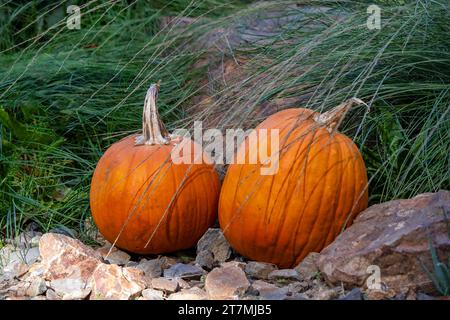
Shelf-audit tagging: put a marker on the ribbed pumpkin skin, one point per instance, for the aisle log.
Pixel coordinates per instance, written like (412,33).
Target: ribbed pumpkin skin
(142,180)
(321,185)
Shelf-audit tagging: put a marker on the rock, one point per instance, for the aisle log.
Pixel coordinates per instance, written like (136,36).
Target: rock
(18,290)
(298,286)
(17,268)
(354,294)
(116,256)
(151,294)
(322,292)
(18,260)
(167,262)
(259,270)
(238,264)
(284,275)
(189,294)
(423,296)
(111,282)
(226,283)
(132,264)
(381,294)
(67,258)
(152,268)
(7,280)
(70,289)
(26,239)
(205,259)
(182,283)
(65,231)
(270,291)
(166,285)
(214,241)
(184,271)
(51,295)
(36,288)
(391,237)
(307,268)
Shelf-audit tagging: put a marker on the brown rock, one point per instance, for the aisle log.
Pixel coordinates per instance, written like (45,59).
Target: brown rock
(151,294)
(184,271)
(214,241)
(298,286)
(111,282)
(36,288)
(307,268)
(380,294)
(189,294)
(270,291)
(205,259)
(284,275)
(50,294)
(259,270)
(167,262)
(166,285)
(239,264)
(394,237)
(70,289)
(116,256)
(320,291)
(228,283)
(152,268)
(66,258)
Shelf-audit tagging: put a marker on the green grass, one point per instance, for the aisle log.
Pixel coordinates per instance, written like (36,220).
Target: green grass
(66,95)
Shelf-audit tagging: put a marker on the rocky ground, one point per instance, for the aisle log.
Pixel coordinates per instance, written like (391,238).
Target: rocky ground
(392,238)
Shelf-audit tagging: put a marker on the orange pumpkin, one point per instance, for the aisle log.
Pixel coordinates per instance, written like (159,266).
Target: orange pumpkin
(145,203)
(319,188)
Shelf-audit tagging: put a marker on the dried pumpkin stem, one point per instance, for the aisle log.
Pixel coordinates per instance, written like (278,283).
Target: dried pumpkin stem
(333,118)
(153,129)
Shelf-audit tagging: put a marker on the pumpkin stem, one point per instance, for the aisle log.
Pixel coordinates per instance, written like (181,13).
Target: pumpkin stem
(333,118)
(153,129)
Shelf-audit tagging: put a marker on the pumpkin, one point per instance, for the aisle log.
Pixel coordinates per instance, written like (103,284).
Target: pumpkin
(143,202)
(318,189)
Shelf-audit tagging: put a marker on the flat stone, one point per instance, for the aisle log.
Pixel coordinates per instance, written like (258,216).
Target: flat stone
(241,265)
(298,286)
(423,296)
(184,271)
(112,282)
(354,294)
(189,294)
(226,283)
(116,256)
(270,291)
(152,294)
(166,285)
(70,289)
(259,270)
(284,275)
(152,268)
(382,294)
